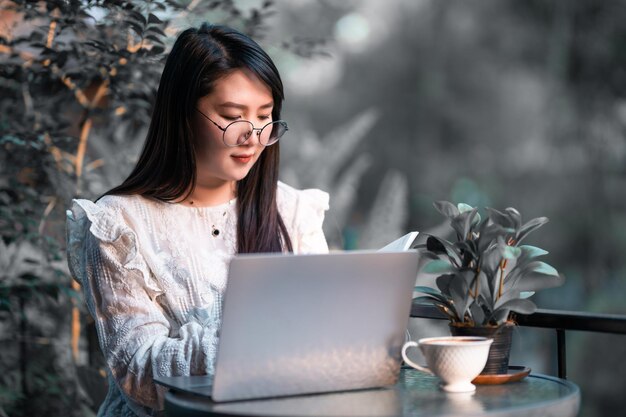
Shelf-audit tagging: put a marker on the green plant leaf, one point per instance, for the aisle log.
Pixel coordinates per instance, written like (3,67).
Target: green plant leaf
(424,253)
(544,268)
(486,289)
(155,39)
(156,50)
(514,216)
(529,227)
(522,306)
(510,252)
(470,221)
(443,283)
(498,317)
(520,268)
(499,218)
(435,245)
(460,296)
(507,296)
(158,31)
(153,19)
(488,234)
(525,263)
(138,17)
(439,245)
(477,313)
(532,251)
(12,139)
(468,276)
(533,281)
(490,260)
(424,299)
(437,266)
(468,246)
(446,208)
(464,207)
(432,292)
(445,308)
(462,224)
(434,297)
(137,28)
(486,306)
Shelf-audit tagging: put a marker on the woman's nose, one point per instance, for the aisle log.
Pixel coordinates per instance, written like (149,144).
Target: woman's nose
(254,138)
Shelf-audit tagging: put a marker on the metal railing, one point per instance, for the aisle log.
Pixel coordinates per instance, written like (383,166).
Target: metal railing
(558,320)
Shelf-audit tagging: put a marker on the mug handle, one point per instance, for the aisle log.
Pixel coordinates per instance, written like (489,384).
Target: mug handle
(409,361)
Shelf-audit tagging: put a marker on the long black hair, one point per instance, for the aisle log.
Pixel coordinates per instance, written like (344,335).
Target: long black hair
(166,169)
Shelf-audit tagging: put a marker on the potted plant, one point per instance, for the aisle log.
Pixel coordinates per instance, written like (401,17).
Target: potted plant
(485,275)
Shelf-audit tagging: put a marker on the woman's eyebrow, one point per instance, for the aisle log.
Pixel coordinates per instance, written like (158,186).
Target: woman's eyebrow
(243,107)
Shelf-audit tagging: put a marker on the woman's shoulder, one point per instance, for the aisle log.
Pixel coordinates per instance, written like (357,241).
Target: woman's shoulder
(302,210)
(287,195)
(122,202)
(108,206)
(107,217)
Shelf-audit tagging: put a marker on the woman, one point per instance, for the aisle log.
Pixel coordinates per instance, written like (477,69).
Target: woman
(153,253)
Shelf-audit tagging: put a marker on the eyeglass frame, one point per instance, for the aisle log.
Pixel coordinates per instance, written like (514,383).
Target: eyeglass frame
(260,129)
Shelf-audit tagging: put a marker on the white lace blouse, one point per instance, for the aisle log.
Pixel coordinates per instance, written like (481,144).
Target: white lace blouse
(153,275)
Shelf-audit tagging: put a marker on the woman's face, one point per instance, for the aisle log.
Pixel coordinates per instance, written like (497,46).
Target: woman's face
(240,95)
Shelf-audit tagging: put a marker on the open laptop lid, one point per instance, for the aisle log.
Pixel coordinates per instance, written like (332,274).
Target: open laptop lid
(295,324)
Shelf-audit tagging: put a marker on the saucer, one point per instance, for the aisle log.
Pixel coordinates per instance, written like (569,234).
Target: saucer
(516,373)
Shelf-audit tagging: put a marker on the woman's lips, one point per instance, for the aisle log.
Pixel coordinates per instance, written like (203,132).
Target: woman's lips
(244,159)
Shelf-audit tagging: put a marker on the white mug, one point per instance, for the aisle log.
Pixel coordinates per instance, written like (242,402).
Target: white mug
(456,360)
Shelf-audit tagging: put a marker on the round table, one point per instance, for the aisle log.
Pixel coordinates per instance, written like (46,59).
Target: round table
(415,394)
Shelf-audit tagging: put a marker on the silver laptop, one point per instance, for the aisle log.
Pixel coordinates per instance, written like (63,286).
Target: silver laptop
(301,324)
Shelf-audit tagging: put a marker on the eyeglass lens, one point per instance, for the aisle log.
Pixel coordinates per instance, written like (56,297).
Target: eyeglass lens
(237,133)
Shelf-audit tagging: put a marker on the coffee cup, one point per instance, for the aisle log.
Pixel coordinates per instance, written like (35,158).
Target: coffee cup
(456,360)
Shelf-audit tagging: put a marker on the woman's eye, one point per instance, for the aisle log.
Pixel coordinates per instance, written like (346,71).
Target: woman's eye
(231,118)
(264,117)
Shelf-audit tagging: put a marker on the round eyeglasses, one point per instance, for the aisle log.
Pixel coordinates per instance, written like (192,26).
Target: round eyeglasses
(239,131)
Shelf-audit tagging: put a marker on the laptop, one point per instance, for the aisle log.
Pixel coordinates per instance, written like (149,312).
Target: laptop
(304,324)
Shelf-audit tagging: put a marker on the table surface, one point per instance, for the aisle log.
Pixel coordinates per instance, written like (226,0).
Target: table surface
(415,394)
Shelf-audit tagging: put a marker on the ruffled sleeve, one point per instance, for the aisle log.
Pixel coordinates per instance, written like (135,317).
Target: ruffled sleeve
(121,295)
(303,212)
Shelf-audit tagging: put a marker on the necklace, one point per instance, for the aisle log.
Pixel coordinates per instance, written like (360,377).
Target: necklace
(215,232)
(218,227)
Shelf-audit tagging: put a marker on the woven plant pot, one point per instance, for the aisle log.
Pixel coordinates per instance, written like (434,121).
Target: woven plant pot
(498,361)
